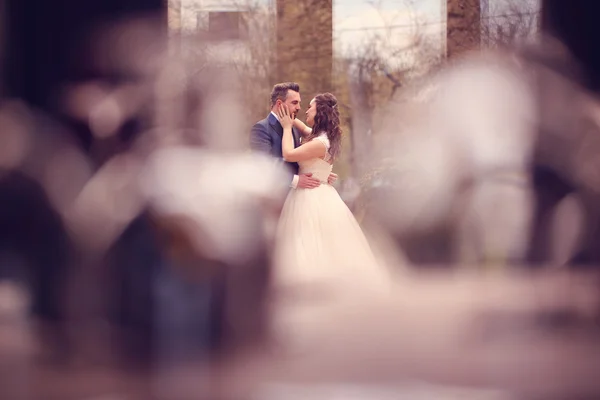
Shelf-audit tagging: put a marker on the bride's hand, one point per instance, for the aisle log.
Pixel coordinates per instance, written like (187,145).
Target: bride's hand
(284,116)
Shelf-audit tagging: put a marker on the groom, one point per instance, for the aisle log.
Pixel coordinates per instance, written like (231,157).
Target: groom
(266,135)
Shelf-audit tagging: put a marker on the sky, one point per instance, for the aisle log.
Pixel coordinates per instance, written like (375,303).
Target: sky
(356,20)
(364,13)
(395,21)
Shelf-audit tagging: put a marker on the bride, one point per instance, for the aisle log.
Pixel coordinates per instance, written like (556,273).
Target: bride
(320,245)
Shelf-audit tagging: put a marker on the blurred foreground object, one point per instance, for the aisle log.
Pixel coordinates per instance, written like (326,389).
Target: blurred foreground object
(493,333)
(453,184)
(479,158)
(476,162)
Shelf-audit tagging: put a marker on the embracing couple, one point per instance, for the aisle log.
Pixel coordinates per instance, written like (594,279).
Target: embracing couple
(319,243)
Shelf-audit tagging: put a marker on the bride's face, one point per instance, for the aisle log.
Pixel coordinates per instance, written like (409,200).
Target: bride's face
(311,112)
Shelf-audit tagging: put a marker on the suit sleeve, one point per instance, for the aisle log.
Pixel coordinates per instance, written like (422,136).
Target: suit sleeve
(260,139)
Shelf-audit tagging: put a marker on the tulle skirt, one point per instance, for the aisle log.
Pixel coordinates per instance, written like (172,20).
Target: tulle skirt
(324,267)
(320,243)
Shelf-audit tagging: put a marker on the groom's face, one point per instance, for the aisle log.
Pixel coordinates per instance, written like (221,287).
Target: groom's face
(292,100)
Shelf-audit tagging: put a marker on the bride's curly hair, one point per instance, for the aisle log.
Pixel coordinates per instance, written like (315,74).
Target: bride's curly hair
(327,119)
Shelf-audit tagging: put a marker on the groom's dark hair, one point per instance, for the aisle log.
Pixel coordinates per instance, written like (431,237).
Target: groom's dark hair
(280,91)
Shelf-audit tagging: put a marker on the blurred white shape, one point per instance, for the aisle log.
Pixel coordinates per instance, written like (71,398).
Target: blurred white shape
(169,89)
(462,155)
(426,181)
(567,224)
(123,103)
(64,175)
(224,195)
(221,117)
(486,105)
(105,109)
(355,391)
(108,202)
(80,100)
(14,135)
(14,300)
(495,222)
(106,117)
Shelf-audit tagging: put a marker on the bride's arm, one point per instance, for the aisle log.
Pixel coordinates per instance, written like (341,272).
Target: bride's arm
(312,149)
(302,127)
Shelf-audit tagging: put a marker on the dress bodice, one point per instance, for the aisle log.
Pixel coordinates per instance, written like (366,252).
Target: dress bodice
(320,168)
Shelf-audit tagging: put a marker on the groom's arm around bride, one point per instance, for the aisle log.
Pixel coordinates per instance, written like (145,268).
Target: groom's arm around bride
(259,141)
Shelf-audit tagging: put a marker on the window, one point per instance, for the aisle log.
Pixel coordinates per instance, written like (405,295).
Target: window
(225,25)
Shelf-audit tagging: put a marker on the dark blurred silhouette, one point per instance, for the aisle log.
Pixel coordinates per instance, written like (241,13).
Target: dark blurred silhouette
(560,166)
(49,46)
(157,303)
(35,250)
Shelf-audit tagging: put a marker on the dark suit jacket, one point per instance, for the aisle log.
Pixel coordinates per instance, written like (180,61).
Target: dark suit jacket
(266,136)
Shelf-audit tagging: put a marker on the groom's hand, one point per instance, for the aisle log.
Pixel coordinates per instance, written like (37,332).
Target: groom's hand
(332,178)
(306,181)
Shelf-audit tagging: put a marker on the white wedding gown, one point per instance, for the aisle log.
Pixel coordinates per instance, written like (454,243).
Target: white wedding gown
(323,261)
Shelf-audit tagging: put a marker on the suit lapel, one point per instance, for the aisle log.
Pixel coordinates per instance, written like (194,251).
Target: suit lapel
(275,125)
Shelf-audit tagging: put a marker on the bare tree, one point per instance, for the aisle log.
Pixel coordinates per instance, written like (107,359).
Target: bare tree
(510,23)
(379,67)
(375,69)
